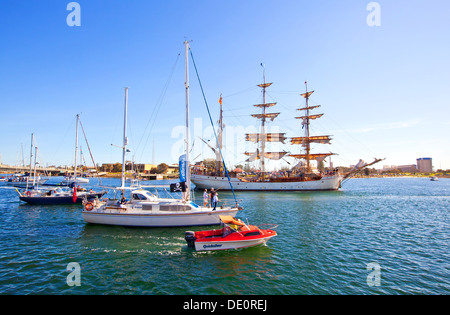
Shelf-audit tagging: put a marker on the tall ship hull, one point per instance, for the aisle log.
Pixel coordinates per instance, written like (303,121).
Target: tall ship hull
(284,184)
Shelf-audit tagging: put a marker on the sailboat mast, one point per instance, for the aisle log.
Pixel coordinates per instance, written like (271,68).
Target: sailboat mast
(31,154)
(308,145)
(220,141)
(125,139)
(76,150)
(188,169)
(34,175)
(263,127)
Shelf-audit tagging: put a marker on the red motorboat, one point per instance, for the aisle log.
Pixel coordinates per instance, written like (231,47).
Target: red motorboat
(234,234)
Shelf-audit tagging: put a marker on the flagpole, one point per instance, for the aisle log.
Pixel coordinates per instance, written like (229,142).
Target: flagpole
(188,169)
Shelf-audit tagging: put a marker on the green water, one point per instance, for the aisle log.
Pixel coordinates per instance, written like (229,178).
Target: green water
(325,242)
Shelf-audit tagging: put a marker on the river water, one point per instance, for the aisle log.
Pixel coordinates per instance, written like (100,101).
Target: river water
(375,236)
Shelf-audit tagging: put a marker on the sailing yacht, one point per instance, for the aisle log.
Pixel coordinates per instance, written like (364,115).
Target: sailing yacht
(68,180)
(145,209)
(36,195)
(27,181)
(300,178)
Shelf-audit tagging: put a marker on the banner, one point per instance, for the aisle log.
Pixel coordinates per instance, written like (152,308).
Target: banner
(182,167)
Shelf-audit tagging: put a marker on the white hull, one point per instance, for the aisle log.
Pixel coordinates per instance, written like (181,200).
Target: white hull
(223,245)
(221,183)
(154,212)
(157,220)
(78,180)
(26,183)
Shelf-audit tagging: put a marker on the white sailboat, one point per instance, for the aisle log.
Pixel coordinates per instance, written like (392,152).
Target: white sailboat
(147,210)
(27,181)
(74,179)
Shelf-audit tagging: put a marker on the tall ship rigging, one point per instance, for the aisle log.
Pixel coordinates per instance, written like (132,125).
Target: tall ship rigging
(302,177)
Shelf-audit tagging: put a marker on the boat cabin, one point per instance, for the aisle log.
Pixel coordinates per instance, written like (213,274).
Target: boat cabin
(142,195)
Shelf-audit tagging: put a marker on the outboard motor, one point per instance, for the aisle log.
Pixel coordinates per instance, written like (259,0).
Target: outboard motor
(189,236)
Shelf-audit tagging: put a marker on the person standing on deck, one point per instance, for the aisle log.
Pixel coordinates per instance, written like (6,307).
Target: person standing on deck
(205,198)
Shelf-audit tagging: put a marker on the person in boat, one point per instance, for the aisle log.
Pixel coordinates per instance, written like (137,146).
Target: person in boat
(212,195)
(215,200)
(205,198)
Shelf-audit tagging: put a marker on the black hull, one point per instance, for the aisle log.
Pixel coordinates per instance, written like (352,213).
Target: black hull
(58,200)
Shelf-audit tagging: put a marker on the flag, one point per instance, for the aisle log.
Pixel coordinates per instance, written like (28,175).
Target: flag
(74,198)
(182,167)
(220,99)
(178,187)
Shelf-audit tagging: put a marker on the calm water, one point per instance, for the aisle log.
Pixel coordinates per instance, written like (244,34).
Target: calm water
(325,242)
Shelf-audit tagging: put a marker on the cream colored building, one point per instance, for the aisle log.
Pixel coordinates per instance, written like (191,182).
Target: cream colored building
(425,165)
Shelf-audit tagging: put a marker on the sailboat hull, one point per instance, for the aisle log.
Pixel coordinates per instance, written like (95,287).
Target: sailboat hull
(58,200)
(119,218)
(221,183)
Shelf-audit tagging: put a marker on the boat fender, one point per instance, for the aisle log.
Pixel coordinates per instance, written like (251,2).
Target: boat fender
(89,206)
(28,193)
(189,236)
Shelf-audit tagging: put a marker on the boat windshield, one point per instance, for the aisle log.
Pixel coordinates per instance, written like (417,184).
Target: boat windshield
(142,195)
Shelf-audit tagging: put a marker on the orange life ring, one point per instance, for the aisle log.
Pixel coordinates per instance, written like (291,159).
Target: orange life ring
(28,193)
(89,206)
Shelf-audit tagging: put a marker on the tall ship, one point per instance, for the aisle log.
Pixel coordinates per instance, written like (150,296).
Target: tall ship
(302,177)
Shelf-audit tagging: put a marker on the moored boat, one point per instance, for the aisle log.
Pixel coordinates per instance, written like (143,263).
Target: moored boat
(302,177)
(144,209)
(57,196)
(234,234)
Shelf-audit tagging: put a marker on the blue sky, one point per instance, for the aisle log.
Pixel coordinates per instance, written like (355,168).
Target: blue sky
(384,89)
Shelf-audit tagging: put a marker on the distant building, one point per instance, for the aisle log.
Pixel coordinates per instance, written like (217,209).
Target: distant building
(425,165)
(407,168)
(144,168)
(173,169)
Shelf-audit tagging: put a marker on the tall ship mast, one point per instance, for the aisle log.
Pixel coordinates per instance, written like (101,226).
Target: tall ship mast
(263,138)
(306,141)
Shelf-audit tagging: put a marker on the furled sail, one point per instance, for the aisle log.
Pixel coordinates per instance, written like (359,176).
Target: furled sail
(307,94)
(313,139)
(268,137)
(271,116)
(265,105)
(316,156)
(253,156)
(309,107)
(310,117)
(265,85)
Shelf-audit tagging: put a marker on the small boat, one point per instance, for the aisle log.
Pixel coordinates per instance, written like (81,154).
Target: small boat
(58,196)
(68,180)
(434,178)
(234,234)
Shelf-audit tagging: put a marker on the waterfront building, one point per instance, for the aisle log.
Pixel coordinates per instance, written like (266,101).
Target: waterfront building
(425,165)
